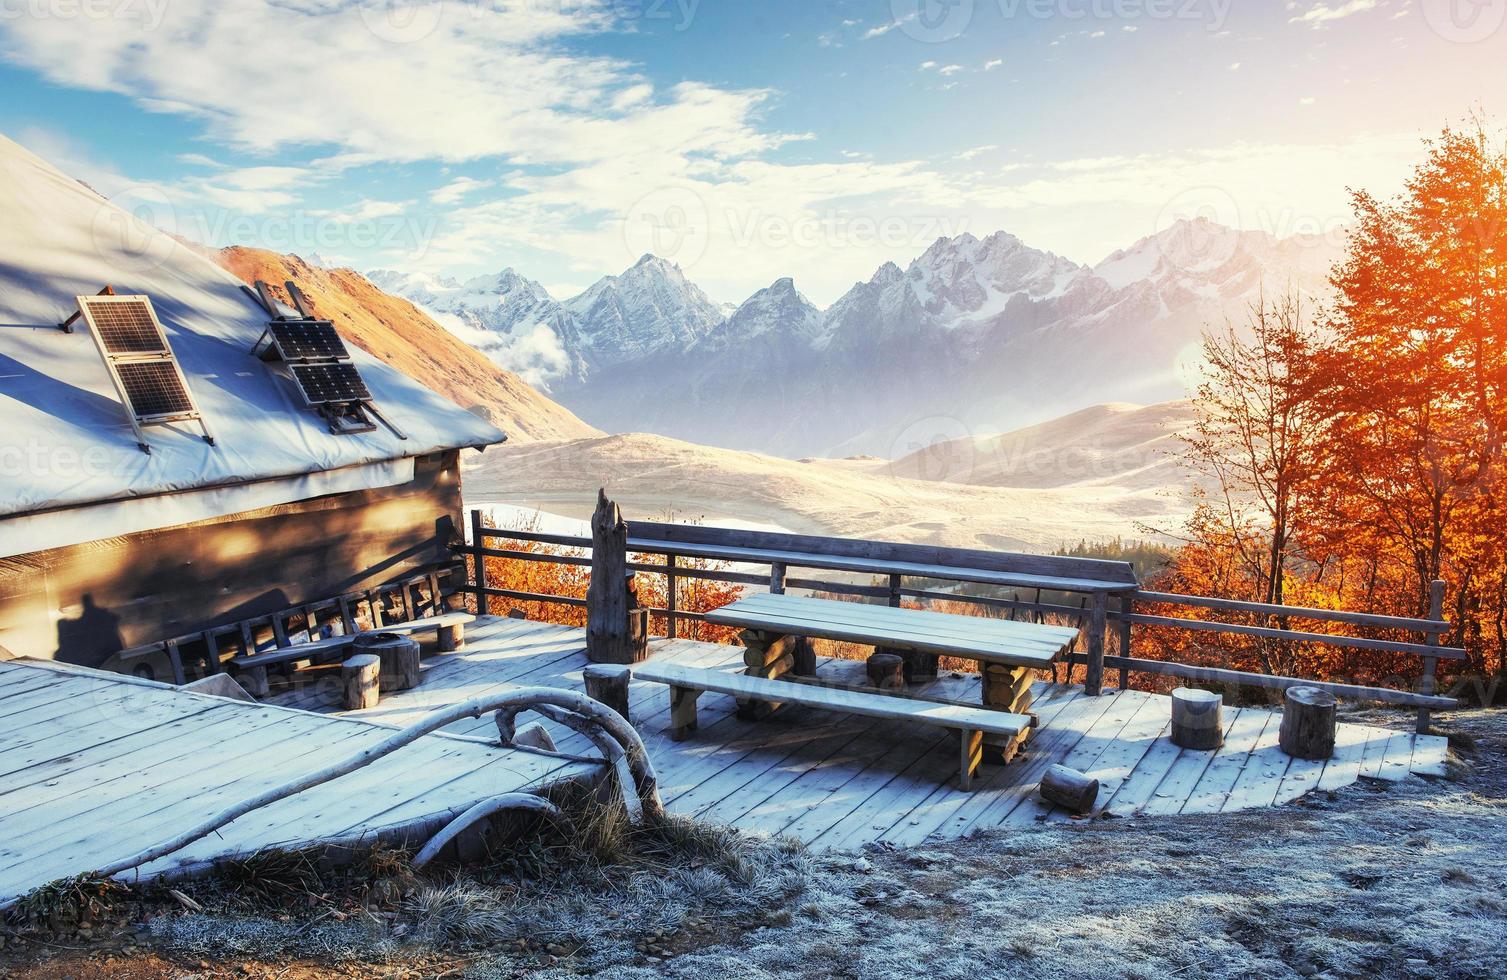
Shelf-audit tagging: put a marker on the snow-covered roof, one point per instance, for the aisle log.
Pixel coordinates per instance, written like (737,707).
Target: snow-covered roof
(65,437)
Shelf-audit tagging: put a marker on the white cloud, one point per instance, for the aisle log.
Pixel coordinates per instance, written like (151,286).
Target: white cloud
(976,151)
(993,63)
(949,69)
(458,188)
(1321,13)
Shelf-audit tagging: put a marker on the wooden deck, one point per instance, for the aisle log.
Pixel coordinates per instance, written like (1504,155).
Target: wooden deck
(841,781)
(95,767)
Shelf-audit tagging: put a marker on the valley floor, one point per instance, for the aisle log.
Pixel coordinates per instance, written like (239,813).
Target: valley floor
(1376,880)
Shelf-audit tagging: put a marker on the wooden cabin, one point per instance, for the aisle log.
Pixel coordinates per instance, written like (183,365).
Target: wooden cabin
(160,482)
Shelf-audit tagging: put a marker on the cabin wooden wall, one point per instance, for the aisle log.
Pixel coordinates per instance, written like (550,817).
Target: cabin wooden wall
(83,603)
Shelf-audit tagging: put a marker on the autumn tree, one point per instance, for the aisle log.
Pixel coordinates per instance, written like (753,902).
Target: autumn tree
(1416,373)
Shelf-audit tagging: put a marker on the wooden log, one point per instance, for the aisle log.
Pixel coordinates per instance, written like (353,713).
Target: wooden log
(1308,722)
(1004,686)
(886,671)
(1197,718)
(360,677)
(804,655)
(608,683)
(400,659)
(778,667)
(682,711)
(452,636)
(920,668)
(534,736)
(1070,788)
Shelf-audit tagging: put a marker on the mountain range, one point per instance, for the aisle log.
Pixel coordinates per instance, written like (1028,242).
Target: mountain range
(974,337)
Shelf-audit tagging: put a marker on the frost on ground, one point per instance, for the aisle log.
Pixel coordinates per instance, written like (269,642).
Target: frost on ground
(1377,880)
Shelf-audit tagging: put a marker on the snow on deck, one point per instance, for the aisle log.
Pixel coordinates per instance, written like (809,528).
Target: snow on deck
(841,781)
(95,767)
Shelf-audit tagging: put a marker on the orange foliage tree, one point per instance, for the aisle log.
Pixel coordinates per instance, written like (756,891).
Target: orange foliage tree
(1358,463)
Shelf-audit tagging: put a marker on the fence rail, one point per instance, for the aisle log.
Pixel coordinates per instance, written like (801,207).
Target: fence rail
(1121,620)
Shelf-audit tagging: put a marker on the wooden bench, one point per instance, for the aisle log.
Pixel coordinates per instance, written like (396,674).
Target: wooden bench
(252,669)
(687,684)
(1098,580)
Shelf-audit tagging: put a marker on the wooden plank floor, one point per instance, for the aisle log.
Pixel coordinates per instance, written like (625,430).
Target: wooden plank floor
(841,781)
(95,767)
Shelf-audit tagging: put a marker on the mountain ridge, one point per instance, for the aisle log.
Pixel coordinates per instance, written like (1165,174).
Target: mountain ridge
(989,333)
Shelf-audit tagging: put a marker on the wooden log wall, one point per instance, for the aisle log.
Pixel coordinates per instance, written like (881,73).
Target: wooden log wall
(84,603)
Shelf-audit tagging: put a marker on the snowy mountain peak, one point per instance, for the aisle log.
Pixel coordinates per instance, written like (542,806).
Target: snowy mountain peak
(778,313)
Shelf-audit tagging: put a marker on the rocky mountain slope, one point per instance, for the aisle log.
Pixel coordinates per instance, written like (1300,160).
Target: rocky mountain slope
(975,336)
(394,330)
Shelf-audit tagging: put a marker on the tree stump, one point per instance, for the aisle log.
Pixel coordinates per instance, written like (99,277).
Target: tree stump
(451,636)
(1307,723)
(359,675)
(886,671)
(1197,718)
(608,683)
(920,668)
(400,659)
(1070,788)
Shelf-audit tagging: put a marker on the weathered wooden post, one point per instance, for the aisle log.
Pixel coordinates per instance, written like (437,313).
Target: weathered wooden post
(1430,664)
(1098,619)
(478,541)
(614,633)
(1307,730)
(672,598)
(1127,609)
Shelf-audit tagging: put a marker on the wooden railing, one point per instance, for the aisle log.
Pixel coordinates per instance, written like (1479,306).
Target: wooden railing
(1121,619)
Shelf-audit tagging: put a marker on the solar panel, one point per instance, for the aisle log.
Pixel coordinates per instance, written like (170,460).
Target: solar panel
(124,324)
(308,340)
(325,383)
(154,388)
(135,350)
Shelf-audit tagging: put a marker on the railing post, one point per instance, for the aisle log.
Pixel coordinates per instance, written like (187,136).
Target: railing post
(777,578)
(894,597)
(1127,606)
(1098,617)
(1430,664)
(478,541)
(671,606)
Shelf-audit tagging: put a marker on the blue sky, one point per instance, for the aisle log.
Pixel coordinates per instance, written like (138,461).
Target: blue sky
(745,140)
